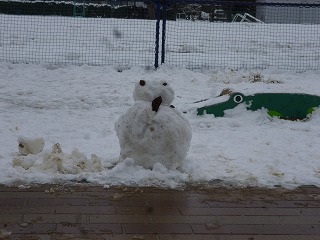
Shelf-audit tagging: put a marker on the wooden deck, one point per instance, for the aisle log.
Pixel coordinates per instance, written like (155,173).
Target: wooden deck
(93,212)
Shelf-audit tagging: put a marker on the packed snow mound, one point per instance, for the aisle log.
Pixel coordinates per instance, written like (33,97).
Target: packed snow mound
(57,161)
(30,145)
(153,136)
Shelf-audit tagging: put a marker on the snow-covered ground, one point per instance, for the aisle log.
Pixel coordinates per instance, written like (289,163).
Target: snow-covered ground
(77,106)
(74,108)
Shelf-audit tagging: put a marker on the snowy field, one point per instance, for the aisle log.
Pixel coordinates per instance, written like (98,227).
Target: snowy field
(131,42)
(77,107)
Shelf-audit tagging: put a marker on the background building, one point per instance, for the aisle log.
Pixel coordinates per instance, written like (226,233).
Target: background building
(289,13)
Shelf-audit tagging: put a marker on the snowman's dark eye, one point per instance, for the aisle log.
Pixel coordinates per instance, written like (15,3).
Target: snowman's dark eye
(165,84)
(142,82)
(238,98)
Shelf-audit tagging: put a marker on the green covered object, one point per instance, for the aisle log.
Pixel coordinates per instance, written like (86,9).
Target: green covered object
(292,106)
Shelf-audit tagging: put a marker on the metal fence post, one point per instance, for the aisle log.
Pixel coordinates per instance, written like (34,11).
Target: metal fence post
(156,60)
(164,22)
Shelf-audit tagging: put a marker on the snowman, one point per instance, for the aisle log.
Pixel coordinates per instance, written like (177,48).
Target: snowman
(153,131)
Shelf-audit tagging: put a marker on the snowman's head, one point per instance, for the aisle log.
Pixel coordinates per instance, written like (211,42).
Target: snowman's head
(149,90)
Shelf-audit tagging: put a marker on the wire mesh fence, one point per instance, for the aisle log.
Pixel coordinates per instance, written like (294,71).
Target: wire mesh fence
(77,33)
(194,34)
(244,35)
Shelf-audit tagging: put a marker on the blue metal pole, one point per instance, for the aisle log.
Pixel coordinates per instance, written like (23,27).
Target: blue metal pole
(156,60)
(164,22)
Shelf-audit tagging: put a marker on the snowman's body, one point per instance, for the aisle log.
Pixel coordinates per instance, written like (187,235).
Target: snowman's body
(151,131)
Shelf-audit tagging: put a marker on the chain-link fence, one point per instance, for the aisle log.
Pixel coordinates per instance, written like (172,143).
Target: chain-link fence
(76,32)
(244,35)
(189,33)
